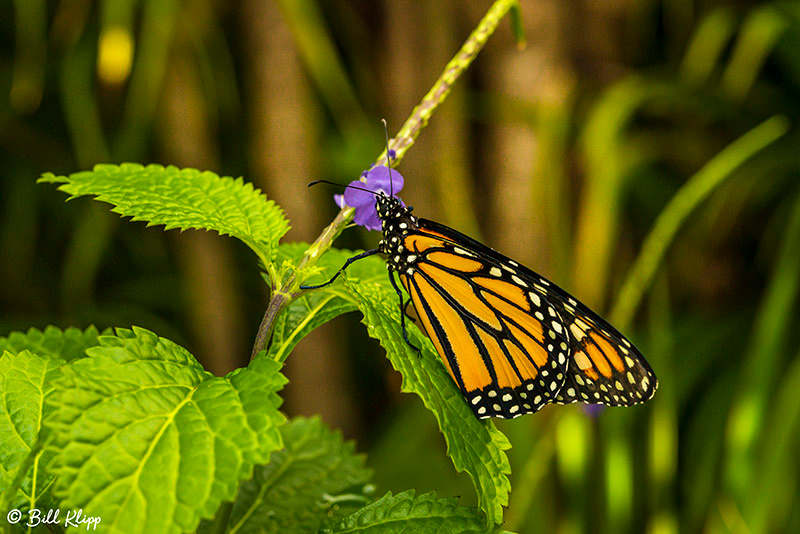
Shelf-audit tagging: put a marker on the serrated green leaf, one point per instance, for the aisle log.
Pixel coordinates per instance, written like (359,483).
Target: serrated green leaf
(53,342)
(405,513)
(149,441)
(26,379)
(319,306)
(315,477)
(185,199)
(476,447)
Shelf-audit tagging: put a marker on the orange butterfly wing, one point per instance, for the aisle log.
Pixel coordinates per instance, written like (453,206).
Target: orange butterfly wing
(605,368)
(511,340)
(504,347)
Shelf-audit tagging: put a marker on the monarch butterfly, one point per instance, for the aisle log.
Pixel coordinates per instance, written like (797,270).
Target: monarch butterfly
(511,340)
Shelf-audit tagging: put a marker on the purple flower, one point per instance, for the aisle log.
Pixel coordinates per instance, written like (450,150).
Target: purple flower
(593,410)
(364,201)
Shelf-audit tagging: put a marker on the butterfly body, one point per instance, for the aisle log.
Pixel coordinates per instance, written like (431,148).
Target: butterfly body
(511,340)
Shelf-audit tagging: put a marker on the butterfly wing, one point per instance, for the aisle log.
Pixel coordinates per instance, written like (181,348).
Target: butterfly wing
(504,346)
(507,333)
(604,367)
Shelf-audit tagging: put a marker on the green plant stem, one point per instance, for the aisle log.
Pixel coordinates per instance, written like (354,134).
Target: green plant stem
(697,189)
(422,113)
(287,289)
(222,518)
(280,295)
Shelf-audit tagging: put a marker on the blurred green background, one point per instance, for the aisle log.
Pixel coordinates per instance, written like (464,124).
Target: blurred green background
(563,156)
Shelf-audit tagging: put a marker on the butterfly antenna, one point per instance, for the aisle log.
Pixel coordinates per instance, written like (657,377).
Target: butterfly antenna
(388,159)
(315,182)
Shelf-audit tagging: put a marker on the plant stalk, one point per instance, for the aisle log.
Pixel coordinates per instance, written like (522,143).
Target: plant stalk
(287,289)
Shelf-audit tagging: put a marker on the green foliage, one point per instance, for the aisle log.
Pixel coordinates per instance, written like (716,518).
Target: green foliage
(405,513)
(368,290)
(185,199)
(149,441)
(316,477)
(696,190)
(644,176)
(52,342)
(767,384)
(26,380)
(314,308)
(29,366)
(476,447)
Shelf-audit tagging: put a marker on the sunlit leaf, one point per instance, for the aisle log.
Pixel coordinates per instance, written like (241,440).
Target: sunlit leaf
(26,380)
(183,198)
(476,447)
(404,512)
(149,441)
(316,477)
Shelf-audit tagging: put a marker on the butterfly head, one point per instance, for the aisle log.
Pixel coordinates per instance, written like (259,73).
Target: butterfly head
(396,222)
(363,196)
(389,208)
(393,213)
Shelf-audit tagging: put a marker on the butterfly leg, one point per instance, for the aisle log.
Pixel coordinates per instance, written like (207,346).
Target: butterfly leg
(405,311)
(402,312)
(345,266)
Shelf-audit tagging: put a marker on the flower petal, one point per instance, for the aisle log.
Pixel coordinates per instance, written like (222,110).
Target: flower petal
(367,217)
(339,199)
(358,197)
(379,179)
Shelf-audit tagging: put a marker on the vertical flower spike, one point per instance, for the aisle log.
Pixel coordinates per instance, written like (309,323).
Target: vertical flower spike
(378,181)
